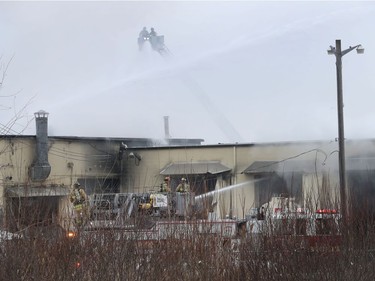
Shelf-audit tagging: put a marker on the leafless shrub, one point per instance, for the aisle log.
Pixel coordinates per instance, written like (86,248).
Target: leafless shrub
(112,255)
(285,252)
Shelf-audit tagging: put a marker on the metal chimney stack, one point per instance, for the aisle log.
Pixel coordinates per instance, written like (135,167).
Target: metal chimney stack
(166,127)
(41,169)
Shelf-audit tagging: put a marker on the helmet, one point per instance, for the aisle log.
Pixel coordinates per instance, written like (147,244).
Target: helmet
(166,179)
(183,179)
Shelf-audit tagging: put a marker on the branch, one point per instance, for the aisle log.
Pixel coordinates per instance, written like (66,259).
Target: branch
(2,77)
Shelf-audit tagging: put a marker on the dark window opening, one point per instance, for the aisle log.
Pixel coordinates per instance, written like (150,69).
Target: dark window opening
(100,185)
(28,212)
(271,185)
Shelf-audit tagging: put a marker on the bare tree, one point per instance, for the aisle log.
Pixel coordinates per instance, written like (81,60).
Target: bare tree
(8,103)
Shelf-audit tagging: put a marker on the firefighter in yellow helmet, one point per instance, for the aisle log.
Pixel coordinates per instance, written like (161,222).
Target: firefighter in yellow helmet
(79,199)
(183,186)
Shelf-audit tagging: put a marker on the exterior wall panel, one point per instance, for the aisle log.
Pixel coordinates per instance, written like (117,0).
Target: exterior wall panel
(97,159)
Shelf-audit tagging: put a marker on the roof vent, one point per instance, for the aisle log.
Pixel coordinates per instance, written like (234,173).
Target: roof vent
(41,169)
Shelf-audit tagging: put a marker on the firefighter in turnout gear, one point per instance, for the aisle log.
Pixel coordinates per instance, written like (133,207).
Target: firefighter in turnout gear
(165,187)
(153,32)
(144,33)
(183,186)
(79,199)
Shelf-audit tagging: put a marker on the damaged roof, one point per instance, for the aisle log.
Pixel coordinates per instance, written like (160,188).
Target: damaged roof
(190,168)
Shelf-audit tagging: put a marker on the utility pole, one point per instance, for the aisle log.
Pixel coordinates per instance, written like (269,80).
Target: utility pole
(340,112)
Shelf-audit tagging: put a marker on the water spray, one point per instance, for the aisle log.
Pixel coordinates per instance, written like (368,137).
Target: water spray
(227,188)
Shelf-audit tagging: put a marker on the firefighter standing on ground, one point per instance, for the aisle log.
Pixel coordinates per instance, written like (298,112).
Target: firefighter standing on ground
(183,186)
(165,186)
(79,199)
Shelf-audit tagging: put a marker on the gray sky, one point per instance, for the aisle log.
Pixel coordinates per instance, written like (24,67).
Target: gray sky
(249,71)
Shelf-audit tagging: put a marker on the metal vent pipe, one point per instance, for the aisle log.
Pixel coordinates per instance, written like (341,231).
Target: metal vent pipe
(41,169)
(166,127)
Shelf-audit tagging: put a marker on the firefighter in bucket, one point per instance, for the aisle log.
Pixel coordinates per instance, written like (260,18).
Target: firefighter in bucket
(79,199)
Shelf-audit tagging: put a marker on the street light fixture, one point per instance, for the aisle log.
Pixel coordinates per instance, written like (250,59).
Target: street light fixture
(360,50)
(340,106)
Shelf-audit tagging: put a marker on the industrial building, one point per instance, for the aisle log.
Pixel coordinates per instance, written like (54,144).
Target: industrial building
(37,173)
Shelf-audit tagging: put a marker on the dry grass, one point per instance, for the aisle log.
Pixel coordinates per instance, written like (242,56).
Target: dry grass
(106,255)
